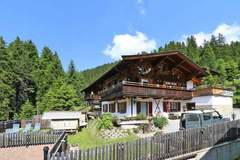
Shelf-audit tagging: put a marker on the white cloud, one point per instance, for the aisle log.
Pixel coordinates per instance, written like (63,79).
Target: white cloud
(230,32)
(142,11)
(141,7)
(126,44)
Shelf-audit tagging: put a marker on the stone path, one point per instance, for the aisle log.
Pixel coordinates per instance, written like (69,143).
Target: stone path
(23,153)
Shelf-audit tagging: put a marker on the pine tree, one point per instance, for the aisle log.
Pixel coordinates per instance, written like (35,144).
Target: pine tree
(50,69)
(6,91)
(59,98)
(192,49)
(23,55)
(27,111)
(208,57)
(71,73)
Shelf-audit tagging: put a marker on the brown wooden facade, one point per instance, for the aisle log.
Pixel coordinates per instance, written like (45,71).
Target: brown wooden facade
(133,89)
(159,75)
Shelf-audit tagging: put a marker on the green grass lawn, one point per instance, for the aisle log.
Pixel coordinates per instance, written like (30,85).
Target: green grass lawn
(89,137)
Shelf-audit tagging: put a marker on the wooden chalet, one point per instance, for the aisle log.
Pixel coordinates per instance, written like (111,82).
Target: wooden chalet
(149,84)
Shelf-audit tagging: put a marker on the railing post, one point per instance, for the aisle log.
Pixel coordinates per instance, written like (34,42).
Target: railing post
(45,152)
(63,145)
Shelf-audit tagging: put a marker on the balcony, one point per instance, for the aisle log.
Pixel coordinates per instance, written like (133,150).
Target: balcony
(135,89)
(92,98)
(213,91)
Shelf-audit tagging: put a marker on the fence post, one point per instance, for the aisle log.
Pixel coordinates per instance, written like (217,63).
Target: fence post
(45,152)
(28,139)
(63,146)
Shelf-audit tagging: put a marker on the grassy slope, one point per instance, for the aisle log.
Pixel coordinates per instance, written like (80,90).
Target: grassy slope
(89,137)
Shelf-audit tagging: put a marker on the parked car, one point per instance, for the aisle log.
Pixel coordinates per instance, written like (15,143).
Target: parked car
(200,118)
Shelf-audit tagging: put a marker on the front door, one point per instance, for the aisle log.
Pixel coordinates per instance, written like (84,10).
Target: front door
(144,108)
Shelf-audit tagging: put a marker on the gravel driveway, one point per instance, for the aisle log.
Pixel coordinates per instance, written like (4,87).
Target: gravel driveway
(23,153)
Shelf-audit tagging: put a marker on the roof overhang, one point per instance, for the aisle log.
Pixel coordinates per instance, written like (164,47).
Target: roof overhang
(175,56)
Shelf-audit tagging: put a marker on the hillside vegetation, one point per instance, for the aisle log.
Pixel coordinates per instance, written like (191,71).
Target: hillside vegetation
(32,81)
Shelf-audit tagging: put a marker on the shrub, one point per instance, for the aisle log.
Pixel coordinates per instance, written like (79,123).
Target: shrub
(106,121)
(141,116)
(115,121)
(135,130)
(160,122)
(129,132)
(158,134)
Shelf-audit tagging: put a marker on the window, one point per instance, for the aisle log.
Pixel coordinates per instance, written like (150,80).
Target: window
(192,117)
(122,107)
(112,107)
(206,117)
(105,108)
(190,106)
(171,106)
(215,115)
(174,107)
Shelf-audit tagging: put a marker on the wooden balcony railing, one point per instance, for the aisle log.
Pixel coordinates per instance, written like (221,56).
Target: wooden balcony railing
(127,88)
(92,97)
(135,89)
(213,91)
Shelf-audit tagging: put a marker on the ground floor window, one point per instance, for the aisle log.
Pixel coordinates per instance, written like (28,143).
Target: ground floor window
(190,106)
(122,107)
(171,106)
(105,108)
(112,107)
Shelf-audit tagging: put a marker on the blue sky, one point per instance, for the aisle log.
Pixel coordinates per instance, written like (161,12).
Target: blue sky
(93,32)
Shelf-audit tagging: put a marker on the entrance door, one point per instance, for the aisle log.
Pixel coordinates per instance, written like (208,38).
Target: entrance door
(144,108)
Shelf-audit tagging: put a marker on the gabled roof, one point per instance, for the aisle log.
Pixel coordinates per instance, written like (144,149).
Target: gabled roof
(186,64)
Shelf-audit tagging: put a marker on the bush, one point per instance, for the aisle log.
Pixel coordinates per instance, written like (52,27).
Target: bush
(106,121)
(160,122)
(27,111)
(115,121)
(141,116)
(136,130)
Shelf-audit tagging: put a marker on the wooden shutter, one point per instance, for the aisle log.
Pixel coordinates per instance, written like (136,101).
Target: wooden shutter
(150,108)
(138,107)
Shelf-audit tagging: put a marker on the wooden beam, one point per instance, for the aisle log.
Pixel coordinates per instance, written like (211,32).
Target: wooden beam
(171,59)
(180,63)
(186,69)
(161,61)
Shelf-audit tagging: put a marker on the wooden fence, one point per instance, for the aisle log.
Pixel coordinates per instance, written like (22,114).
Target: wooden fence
(59,146)
(44,123)
(160,146)
(32,138)
(7,124)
